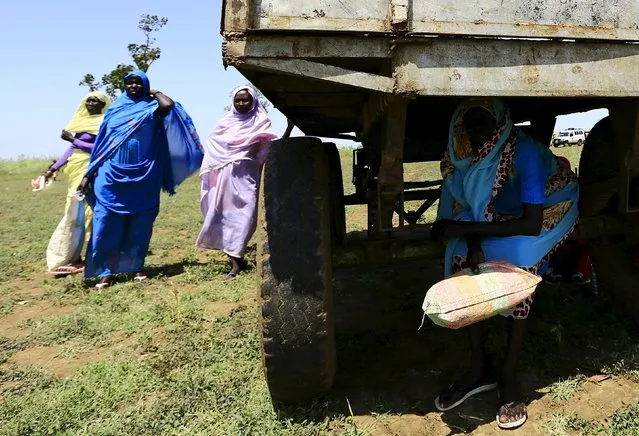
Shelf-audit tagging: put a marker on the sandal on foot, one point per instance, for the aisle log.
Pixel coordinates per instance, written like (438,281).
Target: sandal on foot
(230,276)
(104,283)
(506,408)
(140,277)
(67,270)
(482,385)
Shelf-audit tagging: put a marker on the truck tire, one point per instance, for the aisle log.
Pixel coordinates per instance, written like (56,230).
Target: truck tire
(294,271)
(338,210)
(612,257)
(598,171)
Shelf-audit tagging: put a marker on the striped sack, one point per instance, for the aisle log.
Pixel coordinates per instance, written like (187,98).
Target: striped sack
(465,298)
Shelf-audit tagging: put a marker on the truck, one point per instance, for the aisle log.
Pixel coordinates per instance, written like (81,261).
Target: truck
(570,136)
(389,74)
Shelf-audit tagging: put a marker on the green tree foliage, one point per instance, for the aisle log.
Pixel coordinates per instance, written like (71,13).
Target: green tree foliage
(143,56)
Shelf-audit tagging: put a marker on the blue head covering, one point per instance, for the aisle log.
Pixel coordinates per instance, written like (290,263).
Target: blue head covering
(470,185)
(142,75)
(171,142)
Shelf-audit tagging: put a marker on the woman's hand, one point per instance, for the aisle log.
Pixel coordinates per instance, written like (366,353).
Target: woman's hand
(83,186)
(67,136)
(48,174)
(152,93)
(475,255)
(444,230)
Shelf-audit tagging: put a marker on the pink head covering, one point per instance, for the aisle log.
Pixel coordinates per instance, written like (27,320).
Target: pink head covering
(238,136)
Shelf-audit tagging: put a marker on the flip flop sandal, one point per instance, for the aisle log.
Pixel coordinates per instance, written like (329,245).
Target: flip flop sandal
(230,276)
(103,285)
(483,386)
(514,424)
(67,270)
(140,278)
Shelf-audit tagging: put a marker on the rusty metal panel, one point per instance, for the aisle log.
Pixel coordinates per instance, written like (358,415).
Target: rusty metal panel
(295,46)
(596,19)
(324,15)
(478,67)
(236,15)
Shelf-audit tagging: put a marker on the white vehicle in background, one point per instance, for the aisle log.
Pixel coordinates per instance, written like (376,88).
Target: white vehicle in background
(570,137)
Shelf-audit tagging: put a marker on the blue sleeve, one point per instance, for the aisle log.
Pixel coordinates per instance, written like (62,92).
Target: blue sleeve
(530,167)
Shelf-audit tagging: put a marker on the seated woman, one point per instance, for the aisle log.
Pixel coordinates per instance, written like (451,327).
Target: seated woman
(146,144)
(504,197)
(80,133)
(235,152)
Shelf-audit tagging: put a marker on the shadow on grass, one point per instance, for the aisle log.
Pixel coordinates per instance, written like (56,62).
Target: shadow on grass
(386,366)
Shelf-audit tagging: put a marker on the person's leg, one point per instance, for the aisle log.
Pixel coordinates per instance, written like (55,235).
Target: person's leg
(237,265)
(512,412)
(478,378)
(138,230)
(103,251)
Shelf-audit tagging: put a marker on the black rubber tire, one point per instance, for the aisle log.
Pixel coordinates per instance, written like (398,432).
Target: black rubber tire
(598,171)
(612,258)
(294,271)
(338,210)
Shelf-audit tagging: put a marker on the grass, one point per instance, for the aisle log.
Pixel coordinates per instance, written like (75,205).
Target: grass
(180,354)
(623,422)
(564,389)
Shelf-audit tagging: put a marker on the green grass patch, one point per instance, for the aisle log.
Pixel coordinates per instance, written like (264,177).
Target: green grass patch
(199,379)
(564,389)
(180,354)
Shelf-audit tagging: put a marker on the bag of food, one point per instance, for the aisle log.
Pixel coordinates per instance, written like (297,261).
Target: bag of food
(465,298)
(65,245)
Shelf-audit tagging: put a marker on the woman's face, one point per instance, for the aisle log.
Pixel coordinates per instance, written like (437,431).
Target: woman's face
(243,102)
(134,87)
(94,105)
(480,125)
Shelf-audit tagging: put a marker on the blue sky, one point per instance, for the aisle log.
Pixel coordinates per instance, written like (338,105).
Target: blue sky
(47,47)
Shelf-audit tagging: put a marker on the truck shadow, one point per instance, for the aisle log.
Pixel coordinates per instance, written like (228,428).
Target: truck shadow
(387,366)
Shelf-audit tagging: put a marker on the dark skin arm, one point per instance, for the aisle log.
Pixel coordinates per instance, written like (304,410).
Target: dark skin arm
(164,101)
(82,187)
(529,224)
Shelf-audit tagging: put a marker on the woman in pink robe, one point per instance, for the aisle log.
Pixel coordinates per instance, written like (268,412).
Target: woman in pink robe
(235,151)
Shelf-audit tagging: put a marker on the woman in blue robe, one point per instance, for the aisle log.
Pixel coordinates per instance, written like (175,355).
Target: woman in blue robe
(146,144)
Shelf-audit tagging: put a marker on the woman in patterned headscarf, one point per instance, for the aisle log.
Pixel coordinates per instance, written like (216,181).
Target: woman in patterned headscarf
(504,197)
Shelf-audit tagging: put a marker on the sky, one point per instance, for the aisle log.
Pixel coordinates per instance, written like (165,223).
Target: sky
(47,47)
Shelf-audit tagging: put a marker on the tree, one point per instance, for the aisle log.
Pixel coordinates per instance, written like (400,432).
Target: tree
(143,56)
(265,103)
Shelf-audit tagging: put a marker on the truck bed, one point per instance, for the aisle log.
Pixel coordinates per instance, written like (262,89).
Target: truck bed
(332,65)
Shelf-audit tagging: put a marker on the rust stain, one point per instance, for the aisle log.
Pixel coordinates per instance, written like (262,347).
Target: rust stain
(237,8)
(531,74)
